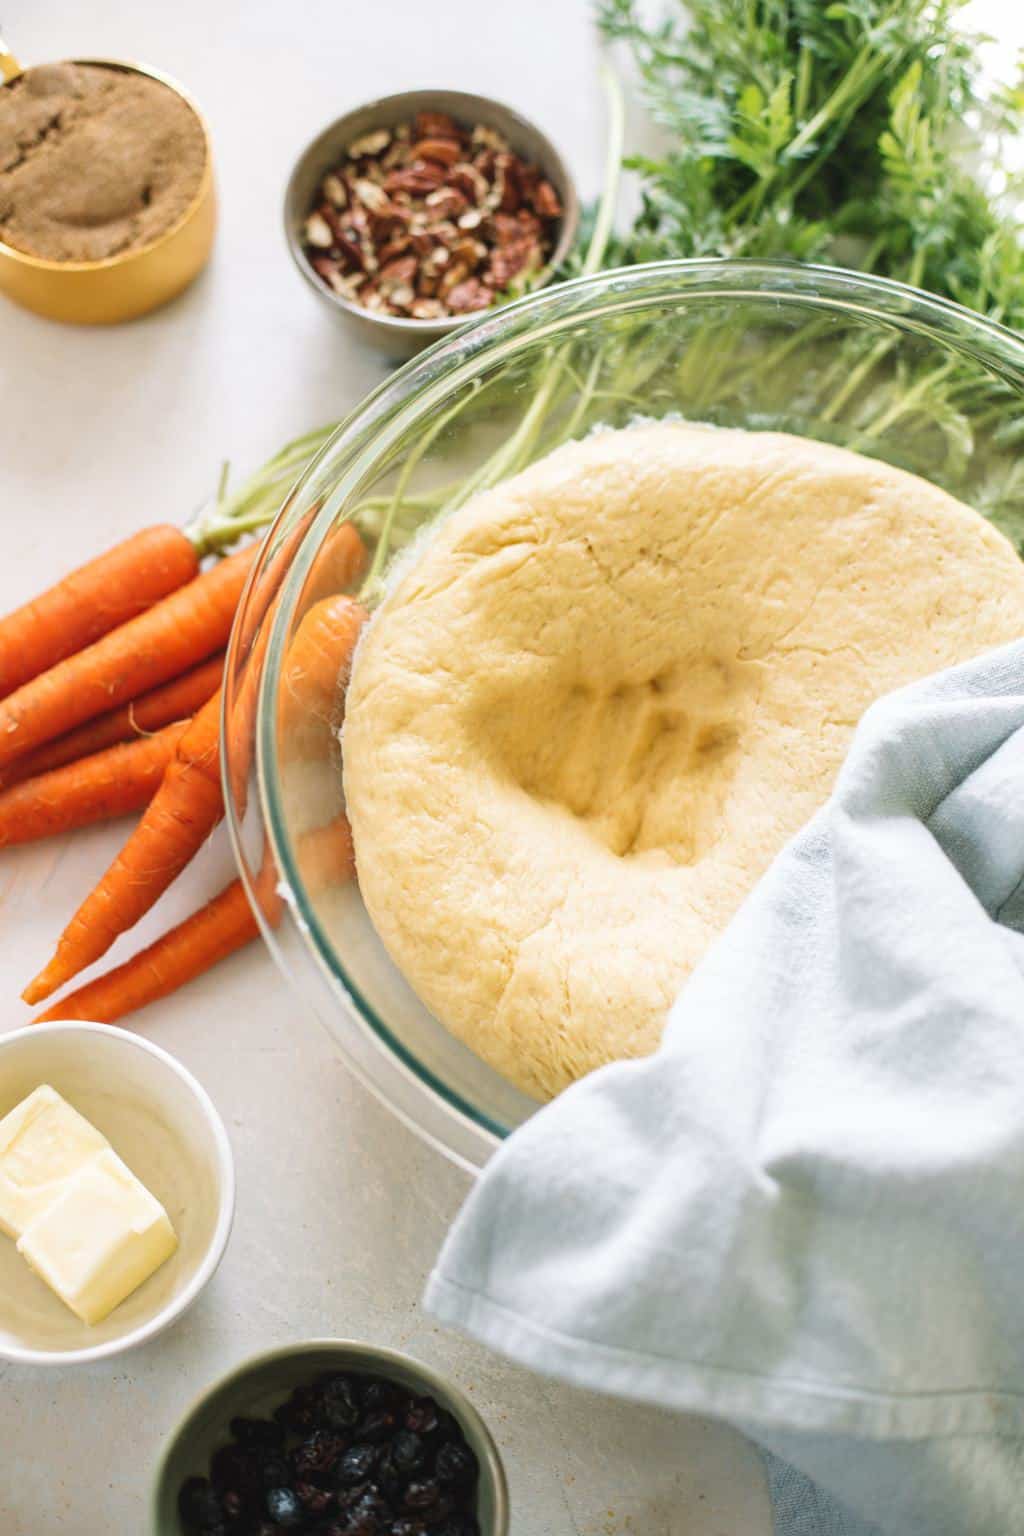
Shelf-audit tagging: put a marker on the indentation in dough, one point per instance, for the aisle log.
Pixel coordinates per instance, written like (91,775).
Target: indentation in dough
(644,766)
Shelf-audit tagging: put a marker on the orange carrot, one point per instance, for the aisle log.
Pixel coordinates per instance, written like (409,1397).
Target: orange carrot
(93,600)
(98,788)
(339,563)
(177,821)
(315,672)
(176,700)
(225,924)
(178,632)
(209,935)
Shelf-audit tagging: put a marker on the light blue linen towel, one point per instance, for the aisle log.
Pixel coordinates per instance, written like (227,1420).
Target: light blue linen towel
(805,1214)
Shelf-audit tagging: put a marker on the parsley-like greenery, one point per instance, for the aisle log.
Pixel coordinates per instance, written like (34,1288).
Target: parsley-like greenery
(849,132)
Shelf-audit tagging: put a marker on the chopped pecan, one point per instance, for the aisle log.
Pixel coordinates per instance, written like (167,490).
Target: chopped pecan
(468,296)
(419,178)
(454,274)
(545,200)
(469,251)
(509,261)
(447,151)
(429,218)
(490,138)
(401,270)
(436,125)
(447,202)
(370,144)
(396,247)
(318,232)
(335,191)
(371,195)
(469,181)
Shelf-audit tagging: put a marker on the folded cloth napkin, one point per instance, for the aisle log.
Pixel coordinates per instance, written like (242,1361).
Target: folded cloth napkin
(805,1214)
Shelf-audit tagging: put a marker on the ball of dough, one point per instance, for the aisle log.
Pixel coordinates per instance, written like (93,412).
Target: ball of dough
(609,691)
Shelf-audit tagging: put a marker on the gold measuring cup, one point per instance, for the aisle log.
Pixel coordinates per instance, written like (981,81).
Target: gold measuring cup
(133,282)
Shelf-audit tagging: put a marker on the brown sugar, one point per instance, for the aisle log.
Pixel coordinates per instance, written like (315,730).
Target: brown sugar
(94,161)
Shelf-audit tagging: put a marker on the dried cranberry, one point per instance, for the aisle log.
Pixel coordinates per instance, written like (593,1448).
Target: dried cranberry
(315,1500)
(377,1426)
(316,1457)
(423,1495)
(407,1449)
(341,1402)
(355,1465)
(283,1507)
(369,1517)
(421,1416)
(378,1395)
(257,1434)
(237,1506)
(389,1479)
(456,1464)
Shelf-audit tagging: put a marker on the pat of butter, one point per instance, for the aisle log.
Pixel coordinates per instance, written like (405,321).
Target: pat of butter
(43,1142)
(100,1238)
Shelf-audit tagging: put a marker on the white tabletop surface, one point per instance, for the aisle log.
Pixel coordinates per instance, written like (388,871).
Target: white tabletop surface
(340,1209)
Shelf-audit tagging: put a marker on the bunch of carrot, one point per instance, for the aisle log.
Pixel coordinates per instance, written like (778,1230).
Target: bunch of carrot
(110,702)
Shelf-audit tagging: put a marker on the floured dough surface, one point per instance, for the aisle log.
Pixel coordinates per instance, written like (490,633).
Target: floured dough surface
(606,695)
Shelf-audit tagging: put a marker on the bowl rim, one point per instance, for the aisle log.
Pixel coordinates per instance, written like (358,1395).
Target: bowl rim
(374,427)
(444,325)
(225,1202)
(122,258)
(465,1410)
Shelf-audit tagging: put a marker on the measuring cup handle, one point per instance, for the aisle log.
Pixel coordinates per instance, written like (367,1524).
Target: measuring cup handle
(9,66)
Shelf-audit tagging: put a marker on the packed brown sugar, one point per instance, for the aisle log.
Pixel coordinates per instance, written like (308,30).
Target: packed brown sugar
(95,161)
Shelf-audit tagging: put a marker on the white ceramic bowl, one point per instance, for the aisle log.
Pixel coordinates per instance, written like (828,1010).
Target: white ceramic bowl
(165,1127)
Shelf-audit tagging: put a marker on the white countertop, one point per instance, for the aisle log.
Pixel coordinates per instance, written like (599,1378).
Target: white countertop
(340,1209)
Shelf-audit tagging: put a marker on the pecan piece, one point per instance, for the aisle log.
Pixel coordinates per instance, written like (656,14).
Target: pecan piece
(469,181)
(455,274)
(419,178)
(335,191)
(509,261)
(371,195)
(317,232)
(545,200)
(393,248)
(370,144)
(447,202)
(468,296)
(446,151)
(436,125)
(402,270)
(427,309)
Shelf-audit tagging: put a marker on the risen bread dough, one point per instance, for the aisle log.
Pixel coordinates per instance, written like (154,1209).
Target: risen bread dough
(605,696)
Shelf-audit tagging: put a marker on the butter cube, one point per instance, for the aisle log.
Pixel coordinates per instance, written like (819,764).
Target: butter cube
(43,1141)
(100,1238)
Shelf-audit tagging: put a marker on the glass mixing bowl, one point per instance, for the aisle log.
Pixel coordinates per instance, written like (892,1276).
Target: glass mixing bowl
(830,354)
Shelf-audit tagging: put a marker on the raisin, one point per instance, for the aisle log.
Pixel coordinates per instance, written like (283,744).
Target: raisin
(355,1465)
(456,1463)
(283,1507)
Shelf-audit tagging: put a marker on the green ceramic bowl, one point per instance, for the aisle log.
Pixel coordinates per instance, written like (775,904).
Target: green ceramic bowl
(259,1384)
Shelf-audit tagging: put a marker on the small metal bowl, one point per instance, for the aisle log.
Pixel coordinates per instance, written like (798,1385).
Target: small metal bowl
(133,282)
(392,334)
(256,1388)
